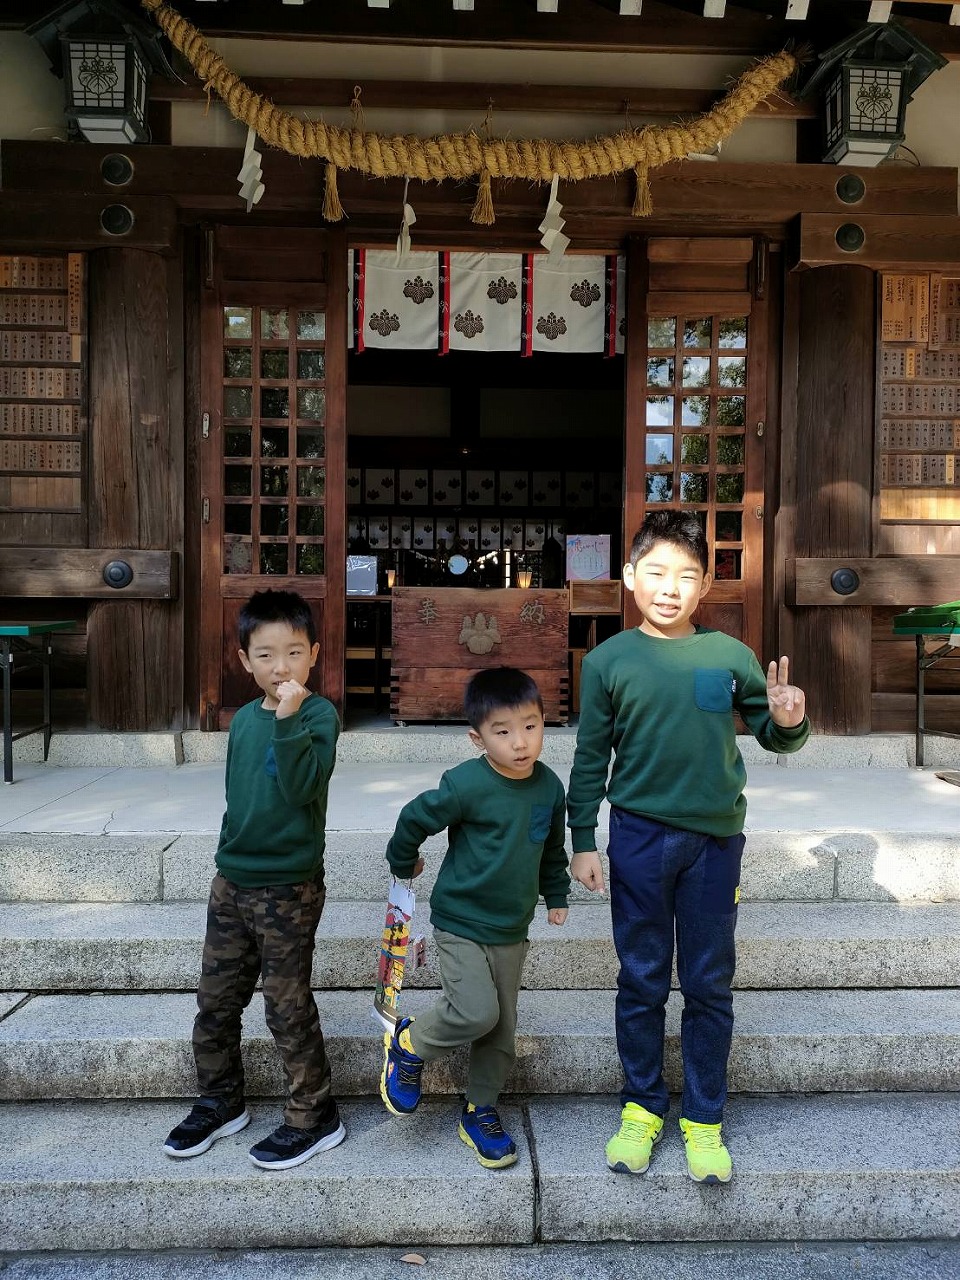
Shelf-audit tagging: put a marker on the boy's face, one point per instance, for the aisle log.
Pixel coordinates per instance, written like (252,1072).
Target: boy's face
(276,653)
(512,738)
(667,584)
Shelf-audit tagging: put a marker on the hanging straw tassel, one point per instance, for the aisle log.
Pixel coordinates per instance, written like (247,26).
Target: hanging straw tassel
(642,200)
(332,208)
(483,208)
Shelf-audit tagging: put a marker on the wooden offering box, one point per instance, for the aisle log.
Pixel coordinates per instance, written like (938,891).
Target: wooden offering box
(441,635)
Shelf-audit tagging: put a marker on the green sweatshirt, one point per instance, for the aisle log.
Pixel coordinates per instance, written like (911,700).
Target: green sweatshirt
(505,849)
(278,772)
(666,707)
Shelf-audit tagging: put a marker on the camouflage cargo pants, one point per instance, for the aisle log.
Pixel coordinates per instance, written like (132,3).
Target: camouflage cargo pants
(251,933)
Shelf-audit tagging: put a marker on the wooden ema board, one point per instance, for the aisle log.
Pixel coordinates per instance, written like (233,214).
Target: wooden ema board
(41,382)
(918,439)
(441,635)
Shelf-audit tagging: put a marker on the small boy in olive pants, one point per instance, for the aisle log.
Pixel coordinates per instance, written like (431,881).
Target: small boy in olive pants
(505,816)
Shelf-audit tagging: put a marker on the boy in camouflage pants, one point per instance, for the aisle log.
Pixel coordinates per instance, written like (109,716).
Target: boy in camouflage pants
(267,895)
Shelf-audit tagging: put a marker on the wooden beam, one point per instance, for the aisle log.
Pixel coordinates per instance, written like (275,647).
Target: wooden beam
(477,96)
(901,243)
(46,201)
(884,581)
(78,571)
(31,220)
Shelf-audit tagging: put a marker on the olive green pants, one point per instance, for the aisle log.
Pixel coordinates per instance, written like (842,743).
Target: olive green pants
(478,1007)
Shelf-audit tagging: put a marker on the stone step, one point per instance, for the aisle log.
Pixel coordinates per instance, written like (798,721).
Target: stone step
(803,1172)
(891,866)
(449,743)
(747,1260)
(122,1046)
(157,947)
(813,1168)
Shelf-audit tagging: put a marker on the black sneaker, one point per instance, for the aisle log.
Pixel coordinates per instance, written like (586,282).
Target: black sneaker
(209,1120)
(287,1146)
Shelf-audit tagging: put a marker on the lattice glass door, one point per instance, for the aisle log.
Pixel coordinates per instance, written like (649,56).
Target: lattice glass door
(696,418)
(695,444)
(273,447)
(274,441)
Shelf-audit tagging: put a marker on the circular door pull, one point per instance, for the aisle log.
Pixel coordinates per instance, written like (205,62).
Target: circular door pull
(845,581)
(117,574)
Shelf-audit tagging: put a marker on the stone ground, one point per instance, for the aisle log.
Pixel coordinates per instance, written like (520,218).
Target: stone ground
(802,1261)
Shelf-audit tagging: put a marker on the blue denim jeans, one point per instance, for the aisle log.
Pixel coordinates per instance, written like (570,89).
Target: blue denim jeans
(660,875)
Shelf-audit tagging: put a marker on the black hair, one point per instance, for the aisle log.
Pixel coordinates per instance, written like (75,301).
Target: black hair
(680,528)
(498,689)
(275,606)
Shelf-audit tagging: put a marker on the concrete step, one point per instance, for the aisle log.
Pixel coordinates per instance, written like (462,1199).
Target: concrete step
(753,1260)
(379,741)
(806,1169)
(123,1046)
(815,1168)
(157,947)
(890,866)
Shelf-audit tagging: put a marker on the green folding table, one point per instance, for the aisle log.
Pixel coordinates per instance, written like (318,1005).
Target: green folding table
(931,622)
(16,646)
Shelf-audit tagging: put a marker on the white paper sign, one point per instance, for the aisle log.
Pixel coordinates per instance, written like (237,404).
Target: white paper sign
(588,556)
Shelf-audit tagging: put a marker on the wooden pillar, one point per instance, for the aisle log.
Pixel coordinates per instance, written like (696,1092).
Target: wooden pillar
(833,484)
(135,498)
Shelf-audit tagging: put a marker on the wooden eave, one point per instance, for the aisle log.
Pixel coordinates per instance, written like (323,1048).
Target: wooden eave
(747,29)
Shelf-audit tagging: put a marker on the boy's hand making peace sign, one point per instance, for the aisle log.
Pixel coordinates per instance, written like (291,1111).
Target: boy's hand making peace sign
(786,701)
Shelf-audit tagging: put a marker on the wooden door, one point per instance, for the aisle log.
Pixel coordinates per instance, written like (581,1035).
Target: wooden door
(696,376)
(273,446)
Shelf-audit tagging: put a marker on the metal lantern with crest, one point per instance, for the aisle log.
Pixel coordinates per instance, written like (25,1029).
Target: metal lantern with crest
(105,55)
(866,82)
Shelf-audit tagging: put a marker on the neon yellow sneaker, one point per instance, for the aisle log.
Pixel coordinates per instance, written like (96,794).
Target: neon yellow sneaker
(708,1160)
(629,1150)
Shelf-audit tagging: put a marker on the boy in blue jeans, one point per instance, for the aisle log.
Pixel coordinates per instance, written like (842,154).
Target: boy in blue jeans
(504,814)
(662,696)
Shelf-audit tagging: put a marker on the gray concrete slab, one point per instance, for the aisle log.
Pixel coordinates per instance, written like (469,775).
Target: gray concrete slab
(776,865)
(368,797)
(9,1001)
(896,866)
(40,867)
(147,800)
(35,786)
(93,1176)
(101,1046)
(157,947)
(930,1260)
(124,750)
(805,1168)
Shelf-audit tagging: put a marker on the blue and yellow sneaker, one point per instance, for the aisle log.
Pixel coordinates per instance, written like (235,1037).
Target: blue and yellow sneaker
(400,1077)
(708,1160)
(481,1129)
